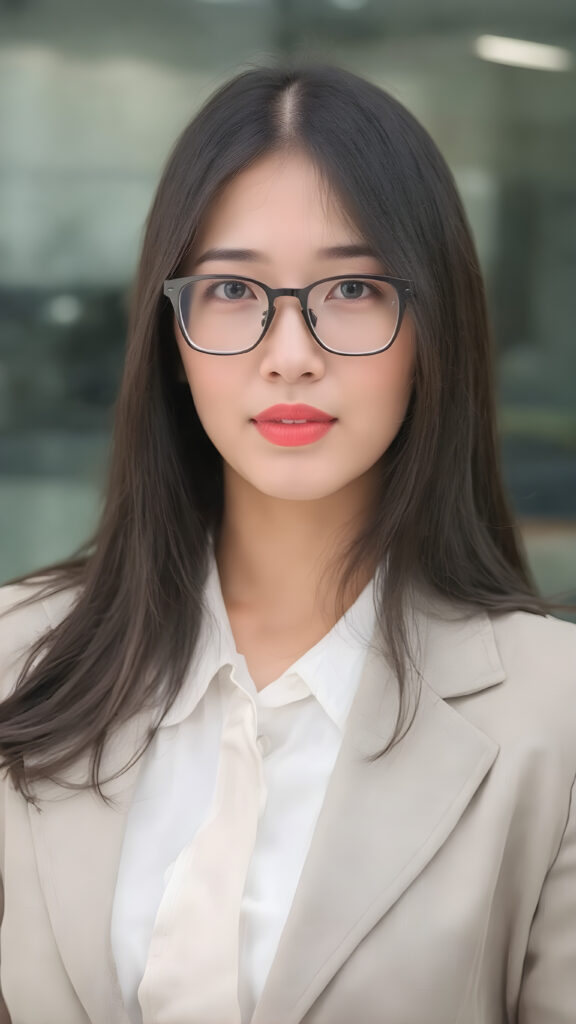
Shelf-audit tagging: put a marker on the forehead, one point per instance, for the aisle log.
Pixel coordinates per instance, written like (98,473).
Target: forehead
(282,198)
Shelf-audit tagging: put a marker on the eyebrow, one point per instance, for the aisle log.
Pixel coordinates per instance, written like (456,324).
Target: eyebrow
(253,256)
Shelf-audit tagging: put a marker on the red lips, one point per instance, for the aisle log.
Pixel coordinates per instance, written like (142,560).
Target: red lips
(297,411)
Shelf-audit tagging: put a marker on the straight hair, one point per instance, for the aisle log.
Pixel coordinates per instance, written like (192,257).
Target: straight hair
(442,520)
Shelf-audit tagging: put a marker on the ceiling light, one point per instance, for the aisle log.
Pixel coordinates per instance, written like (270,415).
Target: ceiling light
(523,53)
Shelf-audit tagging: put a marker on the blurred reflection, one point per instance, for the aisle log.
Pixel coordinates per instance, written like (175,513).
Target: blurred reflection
(60,363)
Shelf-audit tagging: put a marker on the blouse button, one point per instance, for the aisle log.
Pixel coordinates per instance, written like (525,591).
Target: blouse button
(263,744)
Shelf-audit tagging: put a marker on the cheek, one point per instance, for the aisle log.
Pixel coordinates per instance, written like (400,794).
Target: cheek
(203,373)
(215,388)
(383,385)
(206,385)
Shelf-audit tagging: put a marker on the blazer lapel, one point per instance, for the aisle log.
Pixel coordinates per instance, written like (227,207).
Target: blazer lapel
(78,841)
(382,821)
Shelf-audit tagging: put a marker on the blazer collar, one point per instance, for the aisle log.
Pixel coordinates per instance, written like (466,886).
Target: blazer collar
(418,790)
(456,649)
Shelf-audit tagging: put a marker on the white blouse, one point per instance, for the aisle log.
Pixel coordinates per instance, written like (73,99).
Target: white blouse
(301,717)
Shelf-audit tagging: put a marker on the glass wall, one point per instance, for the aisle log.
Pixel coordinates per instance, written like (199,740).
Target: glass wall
(91,100)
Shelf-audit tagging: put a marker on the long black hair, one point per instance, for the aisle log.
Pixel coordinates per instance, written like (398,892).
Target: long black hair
(441,518)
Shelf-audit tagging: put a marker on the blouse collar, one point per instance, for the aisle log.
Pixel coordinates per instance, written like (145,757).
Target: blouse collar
(329,671)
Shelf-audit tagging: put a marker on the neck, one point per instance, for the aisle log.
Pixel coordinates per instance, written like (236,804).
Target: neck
(281,557)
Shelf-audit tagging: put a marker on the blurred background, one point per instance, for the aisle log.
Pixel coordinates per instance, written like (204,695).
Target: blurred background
(92,97)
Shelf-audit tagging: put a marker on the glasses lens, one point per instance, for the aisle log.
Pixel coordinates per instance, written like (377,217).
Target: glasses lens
(223,314)
(355,315)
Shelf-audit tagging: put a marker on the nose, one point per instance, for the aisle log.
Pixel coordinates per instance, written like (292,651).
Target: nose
(288,348)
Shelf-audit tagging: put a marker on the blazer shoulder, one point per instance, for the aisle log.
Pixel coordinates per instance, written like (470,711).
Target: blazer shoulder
(537,699)
(537,644)
(25,615)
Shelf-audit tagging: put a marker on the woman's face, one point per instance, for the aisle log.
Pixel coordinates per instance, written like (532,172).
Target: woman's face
(278,209)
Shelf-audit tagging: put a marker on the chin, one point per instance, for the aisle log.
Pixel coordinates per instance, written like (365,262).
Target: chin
(295,491)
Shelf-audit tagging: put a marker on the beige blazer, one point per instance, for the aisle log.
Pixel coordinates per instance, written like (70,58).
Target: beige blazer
(440,886)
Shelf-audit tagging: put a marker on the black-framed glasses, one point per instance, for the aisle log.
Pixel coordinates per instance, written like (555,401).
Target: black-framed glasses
(226,314)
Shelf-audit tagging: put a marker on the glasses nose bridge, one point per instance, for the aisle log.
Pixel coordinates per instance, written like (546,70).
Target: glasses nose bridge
(276,293)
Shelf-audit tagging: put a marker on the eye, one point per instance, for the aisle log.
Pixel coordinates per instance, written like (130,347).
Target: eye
(230,290)
(351,289)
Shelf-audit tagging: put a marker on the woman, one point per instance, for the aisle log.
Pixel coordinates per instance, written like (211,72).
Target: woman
(292,738)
